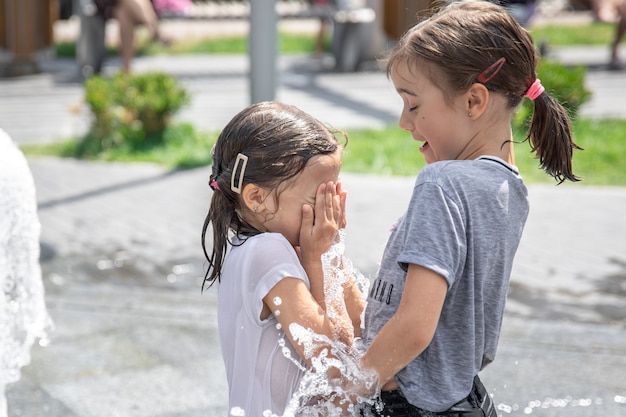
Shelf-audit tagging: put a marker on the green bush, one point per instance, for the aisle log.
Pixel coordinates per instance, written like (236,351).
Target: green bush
(566,84)
(131,109)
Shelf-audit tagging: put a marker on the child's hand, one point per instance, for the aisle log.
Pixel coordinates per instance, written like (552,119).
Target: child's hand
(320,224)
(342,203)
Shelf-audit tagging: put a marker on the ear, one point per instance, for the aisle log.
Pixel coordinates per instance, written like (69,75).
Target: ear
(254,197)
(476,100)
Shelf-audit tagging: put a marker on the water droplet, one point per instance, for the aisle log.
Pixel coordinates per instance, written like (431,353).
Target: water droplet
(182,269)
(104,264)
(56,279)
(237,412)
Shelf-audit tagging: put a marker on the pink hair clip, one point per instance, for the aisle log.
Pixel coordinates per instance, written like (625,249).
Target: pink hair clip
(214,185)
(491,71)
(535,89)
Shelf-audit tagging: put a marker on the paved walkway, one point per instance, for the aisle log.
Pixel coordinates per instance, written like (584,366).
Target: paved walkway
(122,263)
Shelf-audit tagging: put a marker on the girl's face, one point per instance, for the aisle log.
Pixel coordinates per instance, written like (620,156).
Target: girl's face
(441,126)
(285,215)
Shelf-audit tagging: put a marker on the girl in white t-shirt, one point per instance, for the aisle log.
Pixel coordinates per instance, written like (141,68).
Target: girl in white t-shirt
(277,205)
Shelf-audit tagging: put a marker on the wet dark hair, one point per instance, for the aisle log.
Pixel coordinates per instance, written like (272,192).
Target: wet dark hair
(460,41)
(279,140)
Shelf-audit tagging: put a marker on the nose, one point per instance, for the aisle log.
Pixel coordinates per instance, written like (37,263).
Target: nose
(405,123)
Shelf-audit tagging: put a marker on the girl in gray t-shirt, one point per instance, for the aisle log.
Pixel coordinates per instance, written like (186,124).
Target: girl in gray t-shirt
(434,312)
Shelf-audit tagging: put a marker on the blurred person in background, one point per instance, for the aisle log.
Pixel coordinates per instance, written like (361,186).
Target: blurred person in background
(609,11)
(130,15)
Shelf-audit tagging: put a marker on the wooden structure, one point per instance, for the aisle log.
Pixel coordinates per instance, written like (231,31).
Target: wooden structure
(26,28)
(400,15)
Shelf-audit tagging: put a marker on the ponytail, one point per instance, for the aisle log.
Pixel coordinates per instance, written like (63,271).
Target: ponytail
(551,138)
(219,218)
(223,217)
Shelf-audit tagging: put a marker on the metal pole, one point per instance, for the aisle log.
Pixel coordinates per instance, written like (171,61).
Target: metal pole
(263,49)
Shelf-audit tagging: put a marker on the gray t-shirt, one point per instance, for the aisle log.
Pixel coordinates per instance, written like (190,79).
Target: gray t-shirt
(464,221)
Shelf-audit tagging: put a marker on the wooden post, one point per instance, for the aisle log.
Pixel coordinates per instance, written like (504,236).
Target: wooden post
(28,28)
(3,25)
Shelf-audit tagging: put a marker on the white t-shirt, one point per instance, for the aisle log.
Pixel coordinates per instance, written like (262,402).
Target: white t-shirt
(260,375)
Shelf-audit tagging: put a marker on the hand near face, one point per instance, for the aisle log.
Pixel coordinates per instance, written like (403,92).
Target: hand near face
(321,222)
(342,203)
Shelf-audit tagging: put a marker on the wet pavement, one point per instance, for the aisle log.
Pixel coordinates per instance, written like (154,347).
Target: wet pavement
(122,263)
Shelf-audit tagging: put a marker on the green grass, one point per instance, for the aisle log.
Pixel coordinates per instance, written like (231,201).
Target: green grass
(392,151)
(179,146)
(388,151)
(289,43)
(595,33)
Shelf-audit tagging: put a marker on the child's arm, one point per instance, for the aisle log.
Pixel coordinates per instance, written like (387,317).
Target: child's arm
(291,302)
(413,326)
(318,232)
(353,297)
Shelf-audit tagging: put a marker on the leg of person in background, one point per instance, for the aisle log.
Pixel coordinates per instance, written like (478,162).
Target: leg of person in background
(620,30)
(323,6)
(130,14)
(320,46)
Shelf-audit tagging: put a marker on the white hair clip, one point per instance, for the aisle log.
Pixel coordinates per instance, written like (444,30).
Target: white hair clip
(243,161)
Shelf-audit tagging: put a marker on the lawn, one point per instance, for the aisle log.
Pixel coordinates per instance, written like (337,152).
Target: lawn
(388,151)
(595,33)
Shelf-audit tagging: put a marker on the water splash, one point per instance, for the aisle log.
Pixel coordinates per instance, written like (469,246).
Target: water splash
(237,412)
(23,316)
(335,384)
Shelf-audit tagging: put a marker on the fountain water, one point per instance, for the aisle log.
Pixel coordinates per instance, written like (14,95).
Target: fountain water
(335,385)
(23,316)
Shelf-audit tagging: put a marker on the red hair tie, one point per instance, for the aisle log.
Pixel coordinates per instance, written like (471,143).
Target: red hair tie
(535,89)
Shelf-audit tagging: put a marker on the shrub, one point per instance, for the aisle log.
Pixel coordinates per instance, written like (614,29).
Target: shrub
(566,84)
(131,109)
